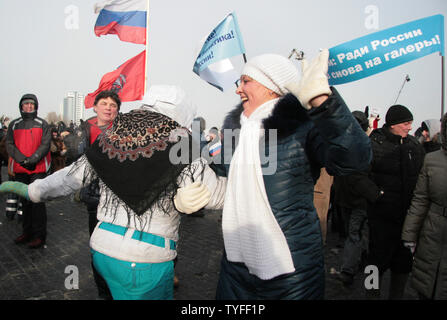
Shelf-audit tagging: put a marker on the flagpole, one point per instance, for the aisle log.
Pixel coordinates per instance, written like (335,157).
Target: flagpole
(147,47)
(442,85)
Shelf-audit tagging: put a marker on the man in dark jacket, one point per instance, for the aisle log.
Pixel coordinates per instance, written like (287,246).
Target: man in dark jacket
(28,143)
(397,160)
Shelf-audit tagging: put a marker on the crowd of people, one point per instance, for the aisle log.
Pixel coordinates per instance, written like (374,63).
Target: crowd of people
(270,169)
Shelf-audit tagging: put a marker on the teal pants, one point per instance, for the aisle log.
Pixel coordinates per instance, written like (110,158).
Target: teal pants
(136,281)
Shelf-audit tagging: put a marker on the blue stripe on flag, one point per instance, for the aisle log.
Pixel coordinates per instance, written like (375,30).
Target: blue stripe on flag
(128,18)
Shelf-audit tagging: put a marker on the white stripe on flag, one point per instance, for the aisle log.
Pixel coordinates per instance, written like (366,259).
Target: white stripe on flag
(221,73)
(121,5)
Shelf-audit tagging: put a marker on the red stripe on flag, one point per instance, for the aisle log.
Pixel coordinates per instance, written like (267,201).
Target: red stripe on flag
(124,33)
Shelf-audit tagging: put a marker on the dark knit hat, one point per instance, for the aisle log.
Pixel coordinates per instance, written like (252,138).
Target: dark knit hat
(397,114)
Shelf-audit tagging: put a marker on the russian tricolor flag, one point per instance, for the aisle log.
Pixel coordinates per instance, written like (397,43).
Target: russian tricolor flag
(215,149)
(125,18)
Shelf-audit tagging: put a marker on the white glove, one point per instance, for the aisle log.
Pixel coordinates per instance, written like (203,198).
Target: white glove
(192,198)
(410,245)
(313,82)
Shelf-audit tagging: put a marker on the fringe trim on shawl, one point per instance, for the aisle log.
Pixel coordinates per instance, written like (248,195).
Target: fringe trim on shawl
(164,203)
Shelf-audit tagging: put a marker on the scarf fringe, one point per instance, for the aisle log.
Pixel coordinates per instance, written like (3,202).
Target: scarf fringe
(164,203)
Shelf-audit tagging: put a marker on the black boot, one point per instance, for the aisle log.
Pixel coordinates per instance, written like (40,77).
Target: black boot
(398,282)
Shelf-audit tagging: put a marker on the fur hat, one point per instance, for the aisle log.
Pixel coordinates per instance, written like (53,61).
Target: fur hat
(397,114)
(272,71)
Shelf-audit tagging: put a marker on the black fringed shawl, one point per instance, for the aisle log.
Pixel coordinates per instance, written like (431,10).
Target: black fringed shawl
(132,158)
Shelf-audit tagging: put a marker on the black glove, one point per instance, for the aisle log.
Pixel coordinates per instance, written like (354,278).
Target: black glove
(28,165)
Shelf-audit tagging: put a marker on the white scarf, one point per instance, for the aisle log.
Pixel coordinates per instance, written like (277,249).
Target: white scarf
(251,233)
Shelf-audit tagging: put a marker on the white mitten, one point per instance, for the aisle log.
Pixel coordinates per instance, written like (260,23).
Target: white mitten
(313,82)
(192,198)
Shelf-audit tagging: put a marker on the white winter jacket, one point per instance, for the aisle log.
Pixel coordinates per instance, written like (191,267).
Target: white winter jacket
(126,245)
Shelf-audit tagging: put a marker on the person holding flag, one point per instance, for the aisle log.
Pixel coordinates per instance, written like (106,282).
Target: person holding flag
(213,62)
(106,106)
(272,236)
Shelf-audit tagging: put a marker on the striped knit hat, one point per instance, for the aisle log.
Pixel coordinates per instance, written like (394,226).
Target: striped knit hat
(272,71)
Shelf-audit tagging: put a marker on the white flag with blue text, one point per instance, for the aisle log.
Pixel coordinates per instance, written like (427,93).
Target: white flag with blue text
(213,62)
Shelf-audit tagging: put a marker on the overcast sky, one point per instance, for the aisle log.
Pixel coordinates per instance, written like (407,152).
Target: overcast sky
(44,51)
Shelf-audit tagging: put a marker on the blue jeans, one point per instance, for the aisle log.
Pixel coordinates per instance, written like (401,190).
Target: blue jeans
(136,281)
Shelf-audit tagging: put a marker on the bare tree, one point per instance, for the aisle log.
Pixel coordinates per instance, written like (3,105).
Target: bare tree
(53,118)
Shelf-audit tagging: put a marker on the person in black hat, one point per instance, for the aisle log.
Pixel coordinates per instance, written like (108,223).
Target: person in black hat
(399,120)
(397,160)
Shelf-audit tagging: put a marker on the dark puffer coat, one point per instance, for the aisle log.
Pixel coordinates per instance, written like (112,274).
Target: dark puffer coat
(29,137)
(394,169)
(426,225)
(327,136)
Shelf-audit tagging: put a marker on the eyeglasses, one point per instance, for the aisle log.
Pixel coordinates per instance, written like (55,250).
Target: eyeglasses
(237,83)
(243,78)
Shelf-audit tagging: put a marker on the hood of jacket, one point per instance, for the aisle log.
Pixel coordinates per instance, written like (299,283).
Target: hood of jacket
(433,126)
(29,115)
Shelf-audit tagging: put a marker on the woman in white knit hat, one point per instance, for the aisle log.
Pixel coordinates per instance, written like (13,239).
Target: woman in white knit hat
(272,236)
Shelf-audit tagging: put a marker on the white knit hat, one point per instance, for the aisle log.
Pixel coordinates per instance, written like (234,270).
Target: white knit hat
(272,71)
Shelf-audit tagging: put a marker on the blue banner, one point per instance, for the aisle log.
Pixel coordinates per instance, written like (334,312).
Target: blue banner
(225,41)
(386,49)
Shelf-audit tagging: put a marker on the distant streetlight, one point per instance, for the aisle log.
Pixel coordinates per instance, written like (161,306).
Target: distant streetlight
(299,55)
(407,78)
